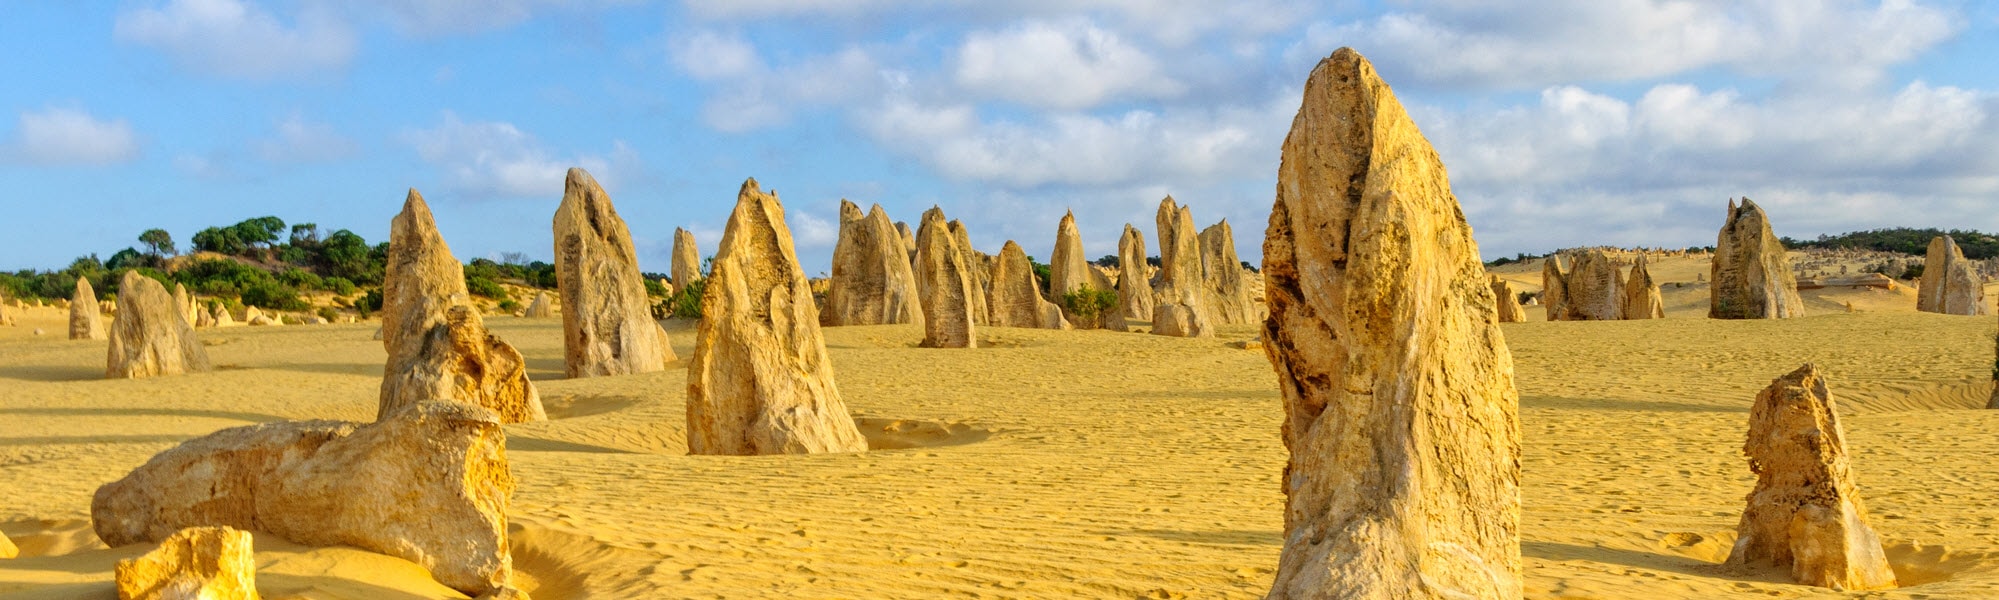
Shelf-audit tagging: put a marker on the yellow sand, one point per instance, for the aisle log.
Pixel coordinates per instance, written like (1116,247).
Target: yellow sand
(1052,464)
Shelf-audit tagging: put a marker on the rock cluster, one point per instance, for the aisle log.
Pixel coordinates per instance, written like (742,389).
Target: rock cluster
(197,563)
(945,283)
(1751,270)
(1641,294)
(1016,294)
(429,484)
(1222,273)
(1400,410)
(1134,290)
(1805,511)
(1507,303)
(686,260)
(438,345)
(607,324)
(760,381)
(1179,306)
(872,282)
(1594,289)
(1950,284)
(84,321)
(151,337)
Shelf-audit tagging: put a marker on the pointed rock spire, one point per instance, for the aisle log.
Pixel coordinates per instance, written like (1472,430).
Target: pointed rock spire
(607,324)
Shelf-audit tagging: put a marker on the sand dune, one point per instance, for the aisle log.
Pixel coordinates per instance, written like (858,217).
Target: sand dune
(1051,464)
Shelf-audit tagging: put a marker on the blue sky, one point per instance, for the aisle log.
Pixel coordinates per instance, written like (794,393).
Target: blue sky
(1562,123)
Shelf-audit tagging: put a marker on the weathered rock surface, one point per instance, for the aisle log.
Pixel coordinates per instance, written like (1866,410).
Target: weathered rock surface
(197,563)
(7,547)
(543,306)
(1507,303)
(944,280)
(1400,409)
(1950,284)
(150,337)
(1805,511)
(975,268)
(1554,280)
(1134,289)
(1068,270)
(686,260)
(607,324)
(254,317)
(184,304)
(760,381)
(1222,272)
(221,317)
(1641,294)
(1751,271)
(1595,288)
(872,282)
(1016,299)
(1180,299)
(429,484)
(84,321)
(908,239)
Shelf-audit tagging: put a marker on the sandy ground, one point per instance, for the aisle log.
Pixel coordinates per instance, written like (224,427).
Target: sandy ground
(1054,464)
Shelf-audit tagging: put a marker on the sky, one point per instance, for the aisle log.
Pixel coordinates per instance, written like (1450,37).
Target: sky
(1562,123)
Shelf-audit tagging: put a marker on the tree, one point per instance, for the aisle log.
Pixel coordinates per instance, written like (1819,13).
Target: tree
(159,241)
(305,234)
(262,231)
(219,240)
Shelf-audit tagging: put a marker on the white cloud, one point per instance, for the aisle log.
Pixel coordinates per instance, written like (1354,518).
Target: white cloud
(69,136)
(488,159)
(1477,44)
(753,95)
(437,17)
(1068,65)
(1175,22)
(239,39)
(299,140)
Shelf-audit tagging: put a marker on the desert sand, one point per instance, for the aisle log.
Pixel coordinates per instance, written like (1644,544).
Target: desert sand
(1056,464)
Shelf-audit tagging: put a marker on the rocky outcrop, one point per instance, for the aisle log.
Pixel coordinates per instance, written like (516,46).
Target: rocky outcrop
(150,337)
(944,280)
(760,381)
(184,305)
(1180,298)
(429,485)
(1016,299)
(1950,284)
(1594,288)
(1222,273)
(1751,271)
(1641,294)
(197,563)
(686,260)
(254,317)
(1068,269)
(7,547)
(84,321)
(1554,278)
(1507,303)
(908,239)
(1805,512)
(1400,410)
(543,307)
(607,324)
(1134,289)
(872,282)
(437,343)
(975,268)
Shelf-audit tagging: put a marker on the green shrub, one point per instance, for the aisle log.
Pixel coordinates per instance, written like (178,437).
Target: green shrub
(686,303)
(369,303)
(653,288)
(1088,306)
(480,286)
(271,294)
(339,286)
(327,312)
(509,306)
(301,279)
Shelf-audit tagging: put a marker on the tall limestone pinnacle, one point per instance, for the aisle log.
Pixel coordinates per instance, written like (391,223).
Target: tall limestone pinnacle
(1134,288)
(1401,416)
(975,268)
(1068,269)
(1228,297)
(760,381)
(151,336)
(1641,294)
(1180,305)
(1950,284)
(1751,272)
(607,324)
(1554,288)
(945,282)
(686,260)
(85,320)
(872,282)
(438,345)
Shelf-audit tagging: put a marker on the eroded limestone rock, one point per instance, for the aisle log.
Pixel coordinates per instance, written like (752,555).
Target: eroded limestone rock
(1641,294)
(1507,302)
(686,260)
(84,321)
(429,485)
(1751,271)
(1950,284)
(1222,274)
(1554,280)
(980,276)
(1016,299)
(1805,511)
(543,307)
(197,563)
(945,282)
(760,381)
(607,324)
(1134,290)
(872,282)
(150,337)
(1594,288)
(1180,304)
(1400,410)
